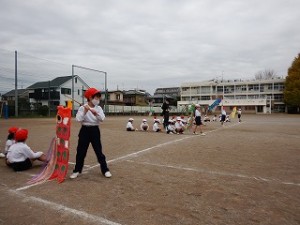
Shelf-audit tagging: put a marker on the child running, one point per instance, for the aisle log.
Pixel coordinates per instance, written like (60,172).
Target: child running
(20,156)
(90,115)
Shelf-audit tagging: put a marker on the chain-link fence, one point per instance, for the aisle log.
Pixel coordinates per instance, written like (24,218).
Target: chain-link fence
(18,71)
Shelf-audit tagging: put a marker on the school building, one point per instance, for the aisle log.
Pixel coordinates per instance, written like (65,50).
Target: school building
(252,96)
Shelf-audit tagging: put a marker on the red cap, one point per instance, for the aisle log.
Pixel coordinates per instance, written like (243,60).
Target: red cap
(21,134)
(91,92)
(12,130)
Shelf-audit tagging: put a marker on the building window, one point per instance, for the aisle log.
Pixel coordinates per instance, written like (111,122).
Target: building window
(253,87)
(205,90)
(78,92)
(75,80)
(253,96)
(270,86)
(220,89)
(278,98)
(118,97)
(278,87)
(66,91)
(229,89)
(205,97)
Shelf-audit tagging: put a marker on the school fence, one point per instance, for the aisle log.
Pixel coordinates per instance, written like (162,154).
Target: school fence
(137,110)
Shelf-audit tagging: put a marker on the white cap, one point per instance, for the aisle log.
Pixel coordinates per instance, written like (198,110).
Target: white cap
(178,118)
(197,105)
(130,119)
(144,120)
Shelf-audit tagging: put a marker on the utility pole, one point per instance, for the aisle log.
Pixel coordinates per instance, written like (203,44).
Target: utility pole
(16,84)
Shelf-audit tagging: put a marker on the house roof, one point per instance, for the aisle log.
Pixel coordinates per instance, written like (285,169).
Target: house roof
(12,93)
(56,82)
(137,92)
(159,96)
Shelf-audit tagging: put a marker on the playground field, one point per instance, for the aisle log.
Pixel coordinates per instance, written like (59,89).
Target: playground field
(242,173)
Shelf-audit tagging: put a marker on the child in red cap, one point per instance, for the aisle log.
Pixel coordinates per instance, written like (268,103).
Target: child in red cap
(90,115)
(20,156)
(9,141)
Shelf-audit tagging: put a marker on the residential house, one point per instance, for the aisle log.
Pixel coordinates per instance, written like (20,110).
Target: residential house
(115,97)
(10,96)
(57,92)
(136,98)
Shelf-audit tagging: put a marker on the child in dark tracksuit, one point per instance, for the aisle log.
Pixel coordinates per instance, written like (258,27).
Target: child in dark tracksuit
(90,115)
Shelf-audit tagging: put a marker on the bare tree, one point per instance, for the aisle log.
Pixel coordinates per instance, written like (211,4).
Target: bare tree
(267,74)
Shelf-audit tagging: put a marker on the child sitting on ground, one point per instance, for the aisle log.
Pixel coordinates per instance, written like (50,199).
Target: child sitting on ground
(20,156)
(156,127)
(179,126)
(171,127)
(144,125)
(10,140)
(129,126)
(214,118)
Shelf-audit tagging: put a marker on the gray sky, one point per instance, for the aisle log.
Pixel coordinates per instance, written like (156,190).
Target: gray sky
(152,43)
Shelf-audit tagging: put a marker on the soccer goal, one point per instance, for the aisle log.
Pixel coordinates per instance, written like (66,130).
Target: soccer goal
(92,79)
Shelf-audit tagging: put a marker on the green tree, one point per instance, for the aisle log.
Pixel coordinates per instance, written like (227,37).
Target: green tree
(292,85)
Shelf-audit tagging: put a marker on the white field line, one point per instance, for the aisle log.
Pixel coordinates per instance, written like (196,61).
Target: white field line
(218,173)
(83,214)
(135,154)
(32,185)
(58,207)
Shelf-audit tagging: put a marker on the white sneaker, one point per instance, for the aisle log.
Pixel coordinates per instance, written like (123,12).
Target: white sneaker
(2,155)
(203,134)
(107,174)
(74,175)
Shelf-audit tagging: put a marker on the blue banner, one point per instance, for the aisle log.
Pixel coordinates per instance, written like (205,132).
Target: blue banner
(215,103)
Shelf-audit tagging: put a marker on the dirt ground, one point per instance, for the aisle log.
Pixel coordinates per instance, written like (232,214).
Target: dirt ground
(242,173)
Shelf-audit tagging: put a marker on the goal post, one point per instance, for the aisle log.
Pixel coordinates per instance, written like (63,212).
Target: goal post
(94,70)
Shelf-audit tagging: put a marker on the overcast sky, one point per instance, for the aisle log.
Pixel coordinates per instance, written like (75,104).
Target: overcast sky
(154,43)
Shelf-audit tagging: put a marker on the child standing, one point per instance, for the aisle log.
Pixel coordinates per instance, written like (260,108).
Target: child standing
(223,115)
(10,140)
(20,156)
(90,115)
(239,114)
(198,121)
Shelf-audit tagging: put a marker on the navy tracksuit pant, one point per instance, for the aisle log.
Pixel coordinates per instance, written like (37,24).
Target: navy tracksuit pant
(87,135)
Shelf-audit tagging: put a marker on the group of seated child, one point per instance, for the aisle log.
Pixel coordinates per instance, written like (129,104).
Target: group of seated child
(207,119)
(18,155)
(175,126)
